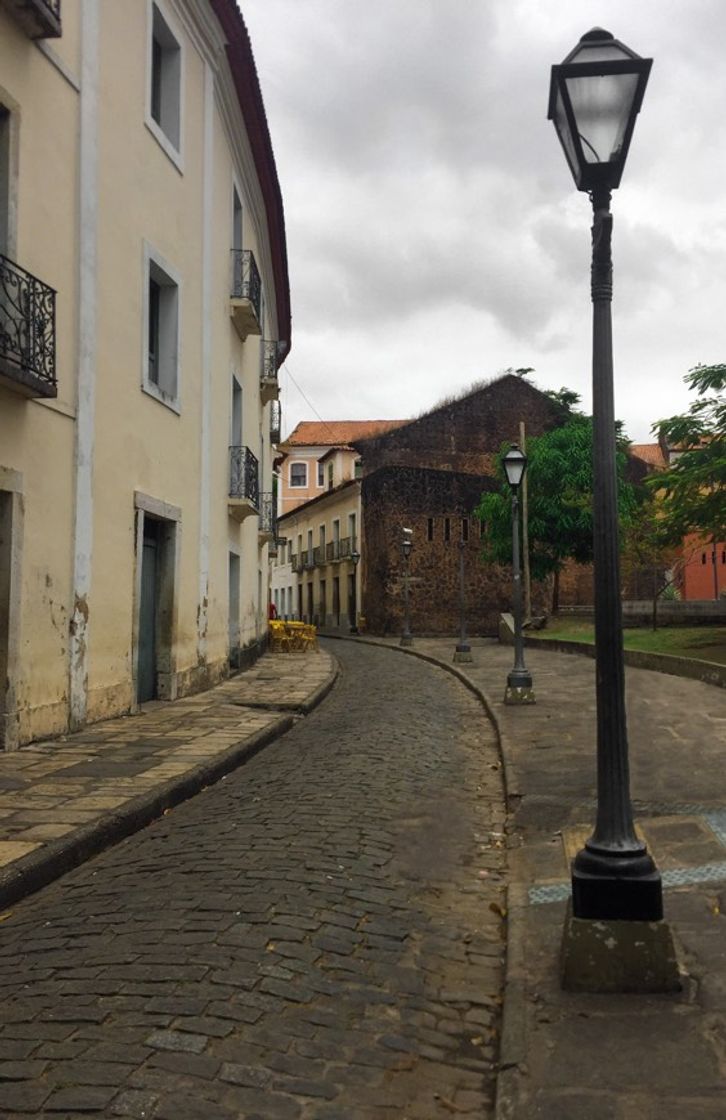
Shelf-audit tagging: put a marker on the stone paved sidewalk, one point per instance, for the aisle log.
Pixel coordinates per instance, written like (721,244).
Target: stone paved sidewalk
(586,1057)
(64,799)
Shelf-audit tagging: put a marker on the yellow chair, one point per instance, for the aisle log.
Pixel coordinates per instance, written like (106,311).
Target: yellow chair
(279,638)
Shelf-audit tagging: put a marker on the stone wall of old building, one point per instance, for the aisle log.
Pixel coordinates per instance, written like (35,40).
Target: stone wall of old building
(438,505)
(465,434)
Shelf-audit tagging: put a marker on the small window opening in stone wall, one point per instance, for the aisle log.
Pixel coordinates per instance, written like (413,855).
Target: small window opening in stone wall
(431,529)
(703,558)
(447,528)
(465,528)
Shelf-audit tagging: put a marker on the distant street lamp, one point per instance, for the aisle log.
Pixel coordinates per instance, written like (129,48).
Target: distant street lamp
(519,681)
(462,653)
(355,559)
(406,546)
(595,96)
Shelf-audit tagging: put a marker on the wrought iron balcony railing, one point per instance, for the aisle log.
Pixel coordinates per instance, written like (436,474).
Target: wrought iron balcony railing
(275,421)
(309,559)
(40,19)
(319,555)
(246,283)
(27,331)
(332,551)
(345,547)
(270,359)
(244,478)
(268,514)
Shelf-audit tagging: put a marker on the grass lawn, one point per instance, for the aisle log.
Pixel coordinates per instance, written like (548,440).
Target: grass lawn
(707,643)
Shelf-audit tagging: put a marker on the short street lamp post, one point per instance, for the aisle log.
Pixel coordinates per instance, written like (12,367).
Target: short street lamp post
(406,546)
(462,653)
(595,97)
(355,560)
(519,681)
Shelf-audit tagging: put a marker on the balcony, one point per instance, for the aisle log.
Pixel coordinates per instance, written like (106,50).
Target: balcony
(332,551)
(319,556)
(245,304)
(244,485)
(345,547)
(269,385)
(275,422)
(267,529)
(297,561)
(308,558)
(39,19)
(27,332)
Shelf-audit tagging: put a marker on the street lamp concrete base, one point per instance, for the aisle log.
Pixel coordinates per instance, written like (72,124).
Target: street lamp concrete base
(515,694)
(618,956)
(406,640)
(462,655)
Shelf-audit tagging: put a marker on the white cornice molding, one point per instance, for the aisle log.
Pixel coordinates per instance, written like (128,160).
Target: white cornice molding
(207,37)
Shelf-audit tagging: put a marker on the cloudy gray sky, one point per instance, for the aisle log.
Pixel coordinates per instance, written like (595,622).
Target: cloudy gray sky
(435,236)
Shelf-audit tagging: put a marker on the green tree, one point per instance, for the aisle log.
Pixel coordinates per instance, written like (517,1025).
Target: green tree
(693,489)
(560,483)
(648,551)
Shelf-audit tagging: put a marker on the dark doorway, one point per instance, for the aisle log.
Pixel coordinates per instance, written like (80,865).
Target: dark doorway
(147,686)
(6,509)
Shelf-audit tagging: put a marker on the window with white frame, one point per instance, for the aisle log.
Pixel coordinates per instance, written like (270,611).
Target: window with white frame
(298,474)
(161,359)
(5,181)
(165,80)
(321,474)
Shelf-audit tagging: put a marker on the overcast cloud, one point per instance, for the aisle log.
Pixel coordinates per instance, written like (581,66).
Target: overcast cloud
(435,236)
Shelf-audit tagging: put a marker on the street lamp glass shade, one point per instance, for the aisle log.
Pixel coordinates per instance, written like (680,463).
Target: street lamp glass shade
(595,96)
(355,556)
(515,464)
(407,542)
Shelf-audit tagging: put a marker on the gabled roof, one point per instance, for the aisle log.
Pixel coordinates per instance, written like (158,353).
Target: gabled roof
(650,453)
(337,433)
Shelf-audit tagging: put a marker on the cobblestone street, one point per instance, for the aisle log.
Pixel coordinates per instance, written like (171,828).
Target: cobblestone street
(319,935)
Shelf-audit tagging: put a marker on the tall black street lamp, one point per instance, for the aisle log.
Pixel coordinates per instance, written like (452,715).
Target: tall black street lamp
(519,681)
(595,96)
(355,560)
(406,546)
(462,653)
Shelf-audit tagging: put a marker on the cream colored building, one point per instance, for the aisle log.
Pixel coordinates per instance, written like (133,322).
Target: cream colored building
(315,576)
(144,312)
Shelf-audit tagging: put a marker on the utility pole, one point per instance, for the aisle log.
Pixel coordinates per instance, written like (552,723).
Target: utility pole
(525,534)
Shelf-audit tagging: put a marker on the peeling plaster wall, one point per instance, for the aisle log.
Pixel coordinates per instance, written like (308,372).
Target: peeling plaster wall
(84,457)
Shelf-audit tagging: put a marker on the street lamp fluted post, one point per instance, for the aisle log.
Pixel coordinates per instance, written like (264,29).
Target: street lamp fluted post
(613,876)
(519,688)
(355,560)
(406,546)
(462,653)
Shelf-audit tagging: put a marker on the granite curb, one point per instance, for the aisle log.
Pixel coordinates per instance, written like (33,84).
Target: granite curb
(692,668)
(37,869)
